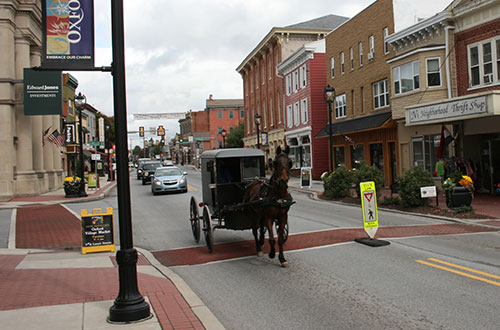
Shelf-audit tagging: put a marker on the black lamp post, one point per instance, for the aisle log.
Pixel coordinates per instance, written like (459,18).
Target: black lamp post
(330,96)
(80,101)
(223,133)
(257,125)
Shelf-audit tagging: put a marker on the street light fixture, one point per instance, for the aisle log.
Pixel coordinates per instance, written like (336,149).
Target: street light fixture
(223,133)
(330,96)
(80,101)
(257,125)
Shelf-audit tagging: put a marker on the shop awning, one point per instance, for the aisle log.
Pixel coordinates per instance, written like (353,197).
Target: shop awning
(372,121)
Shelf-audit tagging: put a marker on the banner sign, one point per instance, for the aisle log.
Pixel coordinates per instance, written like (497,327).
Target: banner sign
(69,134)
(97,231)
(446,110)
(68,34)
(369,206)
(101,129)
(42,92)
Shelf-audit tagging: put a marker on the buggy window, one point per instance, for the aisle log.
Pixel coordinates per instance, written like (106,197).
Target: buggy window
(228,170)
(251,167)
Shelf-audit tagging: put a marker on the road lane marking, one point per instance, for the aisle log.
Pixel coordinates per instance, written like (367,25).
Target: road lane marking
(465,268)
(191,188)
(458,272)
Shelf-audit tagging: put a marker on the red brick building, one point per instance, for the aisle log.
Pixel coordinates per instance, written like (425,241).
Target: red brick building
(305,108)
(223,114)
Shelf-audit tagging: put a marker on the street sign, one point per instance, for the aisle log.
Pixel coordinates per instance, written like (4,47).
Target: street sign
(69,133)
(369,205)
(428,191)
(97,143)
(95,156)
(305,177)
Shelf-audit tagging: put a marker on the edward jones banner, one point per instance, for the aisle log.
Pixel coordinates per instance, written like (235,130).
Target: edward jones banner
(68,34)
(42,92)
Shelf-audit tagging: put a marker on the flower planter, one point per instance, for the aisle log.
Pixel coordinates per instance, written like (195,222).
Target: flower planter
(459,196)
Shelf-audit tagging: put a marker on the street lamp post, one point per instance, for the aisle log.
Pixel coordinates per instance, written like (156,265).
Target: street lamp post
(330,96)
(257,125)
(80,101)
(223,133)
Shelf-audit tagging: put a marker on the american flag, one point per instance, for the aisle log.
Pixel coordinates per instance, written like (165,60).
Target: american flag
(56,138)
(351,141)
(44,134)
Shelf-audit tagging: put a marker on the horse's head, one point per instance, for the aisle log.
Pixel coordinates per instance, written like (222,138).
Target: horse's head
(282,165)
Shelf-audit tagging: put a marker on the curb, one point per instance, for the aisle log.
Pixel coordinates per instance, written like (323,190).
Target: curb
(206,317)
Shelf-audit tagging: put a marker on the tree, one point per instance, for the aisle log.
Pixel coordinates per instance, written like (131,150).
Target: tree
(235,138)
(137,150)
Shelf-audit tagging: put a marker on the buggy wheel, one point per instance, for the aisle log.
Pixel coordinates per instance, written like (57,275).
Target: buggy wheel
(285,234)
(194,217)
(207,229)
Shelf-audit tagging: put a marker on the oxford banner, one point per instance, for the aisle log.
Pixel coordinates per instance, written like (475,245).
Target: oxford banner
(68,34)
(42,92)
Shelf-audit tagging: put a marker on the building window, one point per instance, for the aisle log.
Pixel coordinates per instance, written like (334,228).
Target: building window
(339,153)
(342,62)
(340,106)
(304,111)
(303,76)
(242,114)
(406,78)
(70,106)
(296,80)
(357,155)
(289,85)
(219,130)
(353,102)
(380,94)
(425,151)
(289,116)
(363,103)
(219,114)
(332,63)
(263,72)
(360,53)
(231,114)
(386,44)
(279,106)
(433,72)
(271,109)
(351,58)
(482,57)
(296,114)
(371,42)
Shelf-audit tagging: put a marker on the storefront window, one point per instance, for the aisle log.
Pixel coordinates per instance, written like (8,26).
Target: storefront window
(425,149)
(377,156)
(357,155)
(339,154)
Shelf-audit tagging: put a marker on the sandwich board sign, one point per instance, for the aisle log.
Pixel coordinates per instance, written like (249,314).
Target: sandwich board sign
(97,231)
(305,177)
(369,205)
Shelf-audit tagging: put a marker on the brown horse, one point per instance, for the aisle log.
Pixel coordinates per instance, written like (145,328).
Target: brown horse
(275,201)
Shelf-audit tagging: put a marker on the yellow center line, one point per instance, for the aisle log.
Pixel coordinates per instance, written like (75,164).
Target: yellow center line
(191,188)
(458,272)
(465,268)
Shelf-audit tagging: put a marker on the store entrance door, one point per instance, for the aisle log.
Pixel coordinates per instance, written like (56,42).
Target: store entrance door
(495,162)
(490,164)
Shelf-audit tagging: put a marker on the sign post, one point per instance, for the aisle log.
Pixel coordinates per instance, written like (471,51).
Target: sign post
(370,214)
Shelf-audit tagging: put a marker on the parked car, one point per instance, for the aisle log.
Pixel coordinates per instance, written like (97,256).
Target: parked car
(148,170)
(167,179)
(168,162)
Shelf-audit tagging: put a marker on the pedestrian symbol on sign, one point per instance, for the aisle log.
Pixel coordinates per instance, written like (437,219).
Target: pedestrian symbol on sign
(369,205)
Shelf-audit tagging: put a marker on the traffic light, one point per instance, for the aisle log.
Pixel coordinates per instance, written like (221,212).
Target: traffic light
(160,131)
(141,131)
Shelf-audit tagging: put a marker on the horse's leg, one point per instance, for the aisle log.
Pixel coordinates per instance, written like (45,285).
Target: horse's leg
(258,244)
(281,238)
(262,233)
(269,222)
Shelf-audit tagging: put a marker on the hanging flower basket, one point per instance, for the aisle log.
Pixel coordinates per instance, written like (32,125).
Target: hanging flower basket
(72,186)
(459,190)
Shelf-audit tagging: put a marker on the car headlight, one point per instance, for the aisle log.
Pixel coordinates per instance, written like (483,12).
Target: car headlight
(181,181)
(139,171)
(158,183)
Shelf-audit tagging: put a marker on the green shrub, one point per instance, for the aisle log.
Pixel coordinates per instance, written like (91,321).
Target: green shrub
(367,173)
(390,201)
(409,186)
(338,183)
(463,209)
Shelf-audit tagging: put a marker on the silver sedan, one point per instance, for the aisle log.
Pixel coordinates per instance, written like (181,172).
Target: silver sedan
(167,179)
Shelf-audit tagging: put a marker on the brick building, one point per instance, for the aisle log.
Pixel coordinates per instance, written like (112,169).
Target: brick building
(305,108)
(362,125)
(263,89)
(223,114)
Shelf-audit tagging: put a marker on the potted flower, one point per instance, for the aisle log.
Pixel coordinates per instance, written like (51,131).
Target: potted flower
(458,190)
(72,186)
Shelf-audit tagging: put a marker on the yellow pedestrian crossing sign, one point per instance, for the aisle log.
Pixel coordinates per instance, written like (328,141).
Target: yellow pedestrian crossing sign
(369,205)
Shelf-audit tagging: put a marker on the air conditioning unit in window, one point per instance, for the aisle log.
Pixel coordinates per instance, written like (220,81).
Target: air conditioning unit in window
(488,78)
(370,56)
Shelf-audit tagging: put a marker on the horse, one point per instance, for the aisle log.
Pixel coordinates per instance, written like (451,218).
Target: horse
(273,202)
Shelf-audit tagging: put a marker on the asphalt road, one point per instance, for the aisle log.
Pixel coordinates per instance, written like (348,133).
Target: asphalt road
(427,282)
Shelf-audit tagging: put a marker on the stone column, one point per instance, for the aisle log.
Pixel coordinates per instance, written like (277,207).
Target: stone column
(7,109)
(25,181)
(37,130)
(48,159)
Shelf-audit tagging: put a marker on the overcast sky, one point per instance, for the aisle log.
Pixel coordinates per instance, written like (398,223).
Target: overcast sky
(178,52)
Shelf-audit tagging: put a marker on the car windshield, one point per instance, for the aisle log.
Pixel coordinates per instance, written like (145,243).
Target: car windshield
(151,166)
(168,172)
